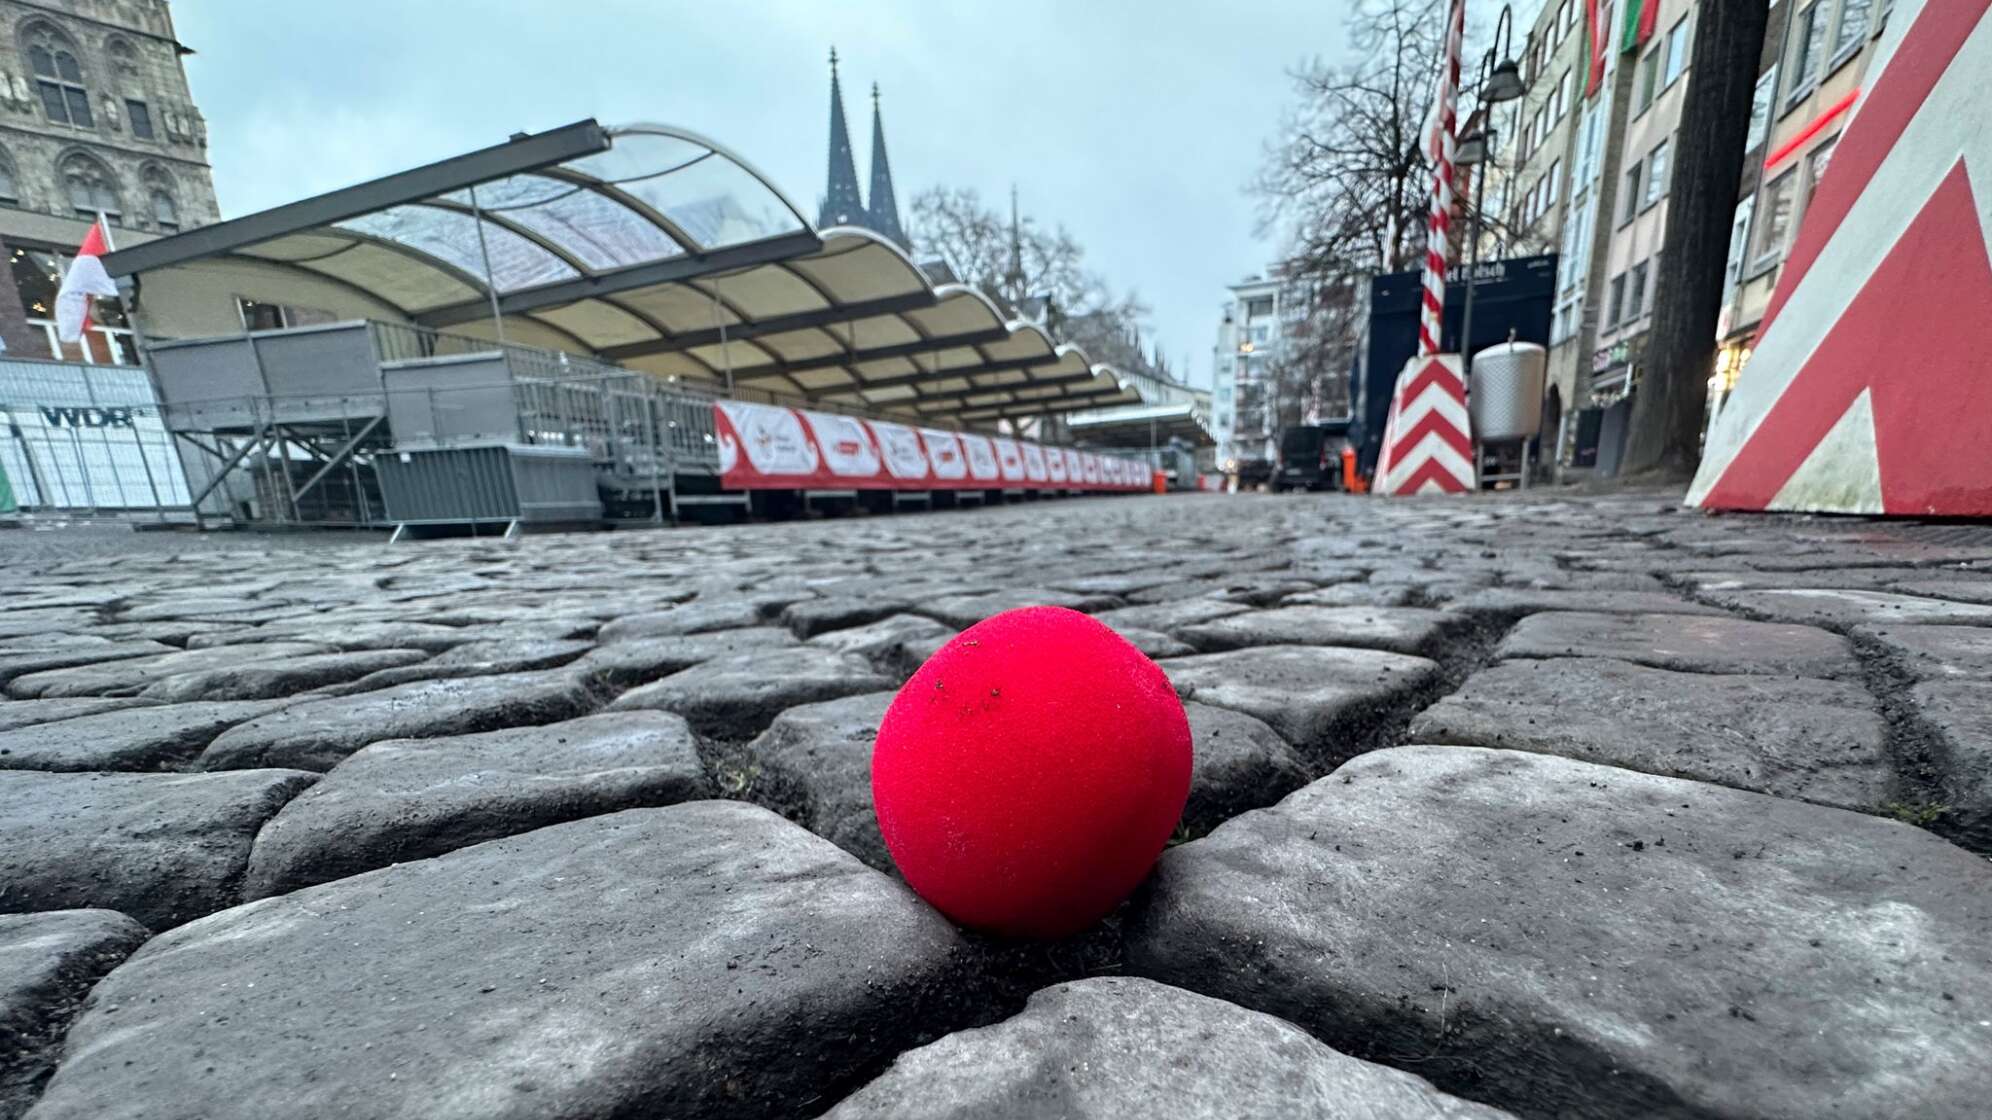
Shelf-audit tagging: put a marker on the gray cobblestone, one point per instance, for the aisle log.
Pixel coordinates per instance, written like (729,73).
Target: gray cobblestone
(1672,659)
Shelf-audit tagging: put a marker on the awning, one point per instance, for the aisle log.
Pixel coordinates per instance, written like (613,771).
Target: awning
(660,250)
(1139,425)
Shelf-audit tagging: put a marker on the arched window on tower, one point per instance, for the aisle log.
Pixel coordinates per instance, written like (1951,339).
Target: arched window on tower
(58,76)
(124,57)
(165,204)
(10,190)
(91,187)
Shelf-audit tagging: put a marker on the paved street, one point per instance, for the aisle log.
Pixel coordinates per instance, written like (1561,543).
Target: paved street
(1546,806)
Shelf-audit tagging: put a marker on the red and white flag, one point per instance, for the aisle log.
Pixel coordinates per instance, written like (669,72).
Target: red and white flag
(86,278)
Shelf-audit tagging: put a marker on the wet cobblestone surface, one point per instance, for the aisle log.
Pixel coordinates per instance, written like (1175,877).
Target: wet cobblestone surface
(1542,805)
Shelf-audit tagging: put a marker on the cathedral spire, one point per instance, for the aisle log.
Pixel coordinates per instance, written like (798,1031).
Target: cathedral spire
(1013,277)
(842,204)
(884,205)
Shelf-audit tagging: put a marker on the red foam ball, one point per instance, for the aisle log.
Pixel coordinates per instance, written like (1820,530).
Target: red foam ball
(1029,773)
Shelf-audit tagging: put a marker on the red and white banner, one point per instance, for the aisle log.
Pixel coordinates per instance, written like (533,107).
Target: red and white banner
(1867,391)
(981,458)
(769,447)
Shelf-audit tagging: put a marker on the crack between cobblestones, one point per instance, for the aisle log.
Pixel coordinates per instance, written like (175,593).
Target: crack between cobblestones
(1919,759)
(1919,762)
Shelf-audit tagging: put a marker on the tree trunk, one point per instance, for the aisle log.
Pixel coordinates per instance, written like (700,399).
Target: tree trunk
(1665,433)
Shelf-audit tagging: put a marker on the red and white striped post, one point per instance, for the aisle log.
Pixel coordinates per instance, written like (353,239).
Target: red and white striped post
(1440,144)
(1425,442)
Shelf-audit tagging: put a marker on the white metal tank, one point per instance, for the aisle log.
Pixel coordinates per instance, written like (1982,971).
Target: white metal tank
(1505,397)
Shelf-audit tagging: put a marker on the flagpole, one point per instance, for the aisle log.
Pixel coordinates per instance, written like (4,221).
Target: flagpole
(130,312)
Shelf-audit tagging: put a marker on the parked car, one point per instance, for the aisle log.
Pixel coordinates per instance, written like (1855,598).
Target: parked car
(1253,473)
(1311,456)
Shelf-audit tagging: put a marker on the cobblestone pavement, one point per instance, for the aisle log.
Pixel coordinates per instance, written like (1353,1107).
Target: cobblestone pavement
(1540,805)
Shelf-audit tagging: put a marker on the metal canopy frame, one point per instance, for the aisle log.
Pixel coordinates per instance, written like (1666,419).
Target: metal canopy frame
(1084,398)
(520,154)
(654,246)
(1138,422)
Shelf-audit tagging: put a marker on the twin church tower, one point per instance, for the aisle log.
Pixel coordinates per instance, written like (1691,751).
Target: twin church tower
(842,204)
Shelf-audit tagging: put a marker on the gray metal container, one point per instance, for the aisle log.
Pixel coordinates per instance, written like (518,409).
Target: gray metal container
(464,485)
(1505,397)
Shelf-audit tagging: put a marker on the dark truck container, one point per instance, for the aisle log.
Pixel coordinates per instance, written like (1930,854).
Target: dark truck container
(1517,294)
(1311,456)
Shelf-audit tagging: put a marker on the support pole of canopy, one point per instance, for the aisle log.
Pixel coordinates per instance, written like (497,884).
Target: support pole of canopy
(719,321)
(484,251)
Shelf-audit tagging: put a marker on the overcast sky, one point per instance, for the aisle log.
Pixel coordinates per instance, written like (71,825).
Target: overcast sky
(1134,124)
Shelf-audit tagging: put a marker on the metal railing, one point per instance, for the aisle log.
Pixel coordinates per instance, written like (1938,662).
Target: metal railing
(307,456)
(399,342)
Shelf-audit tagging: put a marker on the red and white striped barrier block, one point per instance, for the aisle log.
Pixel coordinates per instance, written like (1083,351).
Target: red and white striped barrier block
(1868,391)
(768,447)
(1425,447)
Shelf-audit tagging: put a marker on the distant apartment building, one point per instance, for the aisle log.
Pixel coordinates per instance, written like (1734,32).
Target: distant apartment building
(1531,169)
(1568,179)
(1250,338)
(95,116)
(1653,82)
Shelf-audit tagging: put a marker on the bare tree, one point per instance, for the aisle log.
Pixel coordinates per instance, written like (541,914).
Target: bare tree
(1346,183)
(1664,436)
(1017,264)
(1346,186)
(1310,380)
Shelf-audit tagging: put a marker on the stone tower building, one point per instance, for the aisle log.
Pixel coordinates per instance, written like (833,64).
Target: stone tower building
(95,115)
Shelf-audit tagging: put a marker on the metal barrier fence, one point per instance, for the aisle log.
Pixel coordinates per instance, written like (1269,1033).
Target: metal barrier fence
(639,434)
(81,438)
(398,342)
(1178,463)
(87,438)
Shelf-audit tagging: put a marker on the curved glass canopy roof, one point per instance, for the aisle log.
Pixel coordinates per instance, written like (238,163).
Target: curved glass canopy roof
(656,248)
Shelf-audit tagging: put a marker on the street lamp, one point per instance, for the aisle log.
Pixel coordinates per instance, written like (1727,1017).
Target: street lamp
(1499,81)
(1505,83)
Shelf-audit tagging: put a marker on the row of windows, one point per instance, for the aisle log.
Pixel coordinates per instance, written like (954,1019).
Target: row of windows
(1629,290)
(65,96)
(37,276)
(1541,197)
(1828,33)
(1646,182)
(1781,202)
(1559,27)
(91,187)
(1662,66)
(1548,115)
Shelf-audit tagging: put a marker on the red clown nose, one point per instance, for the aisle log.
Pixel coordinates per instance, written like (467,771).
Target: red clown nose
(1028,775)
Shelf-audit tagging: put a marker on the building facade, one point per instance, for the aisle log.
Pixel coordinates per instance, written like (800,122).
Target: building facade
(1651,85)
(1250,337)
(1591,182)
(1531,177)
(1815,59)
(95,116)
(1572,138)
